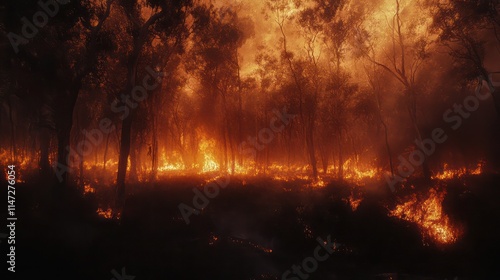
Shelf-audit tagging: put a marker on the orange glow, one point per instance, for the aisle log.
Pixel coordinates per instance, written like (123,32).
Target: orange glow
(107,214)
(449,173)
(427,213)
(207,149)
(353,201)
(88,189)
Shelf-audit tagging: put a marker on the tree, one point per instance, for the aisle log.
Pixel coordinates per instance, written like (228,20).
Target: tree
(167,20)
(65,51)
(407,52)
(218,35)
(461,26)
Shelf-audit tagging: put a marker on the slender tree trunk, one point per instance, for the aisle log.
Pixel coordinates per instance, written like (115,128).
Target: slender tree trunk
(44,137)
(311,151)
(388,147)
(127,126)
(386,130)
(133,163)
(413,116)
(123,159)
(324,157)
(80,177)
(66,107)
(224,145)
(225,132)
(105,158)
(240,110)
(154,150)
(341,157)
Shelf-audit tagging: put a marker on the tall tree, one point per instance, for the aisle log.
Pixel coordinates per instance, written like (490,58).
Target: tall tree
(405,55)
(218,35)
(66,49)
(462,26)
(146,20)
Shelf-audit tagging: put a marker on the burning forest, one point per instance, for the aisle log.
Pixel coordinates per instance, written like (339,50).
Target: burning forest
(273,139)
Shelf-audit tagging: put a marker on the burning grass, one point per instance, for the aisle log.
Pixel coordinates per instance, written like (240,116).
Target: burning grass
(427,212)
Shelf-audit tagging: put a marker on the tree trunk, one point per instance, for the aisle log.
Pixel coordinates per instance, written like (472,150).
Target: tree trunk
(341,157)
(426,171)
(44,164)
(311,151)
(324,157)
(64,124)
(133,163)
(105,158)
(127,125)
(123,158)
(153,149)
(386,130)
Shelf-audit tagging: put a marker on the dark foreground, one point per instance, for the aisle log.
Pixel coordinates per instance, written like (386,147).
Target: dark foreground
(252,230)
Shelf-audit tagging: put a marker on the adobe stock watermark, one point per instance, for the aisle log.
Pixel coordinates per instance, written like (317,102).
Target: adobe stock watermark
(266,135)
(212,189)
(201,200)
(122,276)
(30,29)
(95,137)
(310,264)
(455,118)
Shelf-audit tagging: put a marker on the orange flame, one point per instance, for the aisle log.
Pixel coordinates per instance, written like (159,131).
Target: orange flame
(428,213)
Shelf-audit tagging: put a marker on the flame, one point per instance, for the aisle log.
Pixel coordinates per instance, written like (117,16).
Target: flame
(449,173)
(353,201)
(87,189)
(207,149)
(107,214)
(170,164)
(428,213)
(318,183)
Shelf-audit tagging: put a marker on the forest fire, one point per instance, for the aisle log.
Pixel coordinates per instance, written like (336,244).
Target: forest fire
(233,134)
(353,201)
(107,214)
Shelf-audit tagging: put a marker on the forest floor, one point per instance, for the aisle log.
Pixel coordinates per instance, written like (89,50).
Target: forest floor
(256,228)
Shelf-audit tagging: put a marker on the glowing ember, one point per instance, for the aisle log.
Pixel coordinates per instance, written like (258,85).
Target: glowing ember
(353,201)
(107,214)
(428,213)
(88,189)
(212,240)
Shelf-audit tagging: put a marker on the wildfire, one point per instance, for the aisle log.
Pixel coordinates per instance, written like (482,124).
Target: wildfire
(170,164)
(107,214)
(207,149)
(449,173)
(428,213)
(88,189)
(318,183)
(358,174)
(178,166)
(353,201)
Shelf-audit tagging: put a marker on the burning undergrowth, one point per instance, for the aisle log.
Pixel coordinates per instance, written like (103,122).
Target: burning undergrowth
(426,210)
(272,224)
